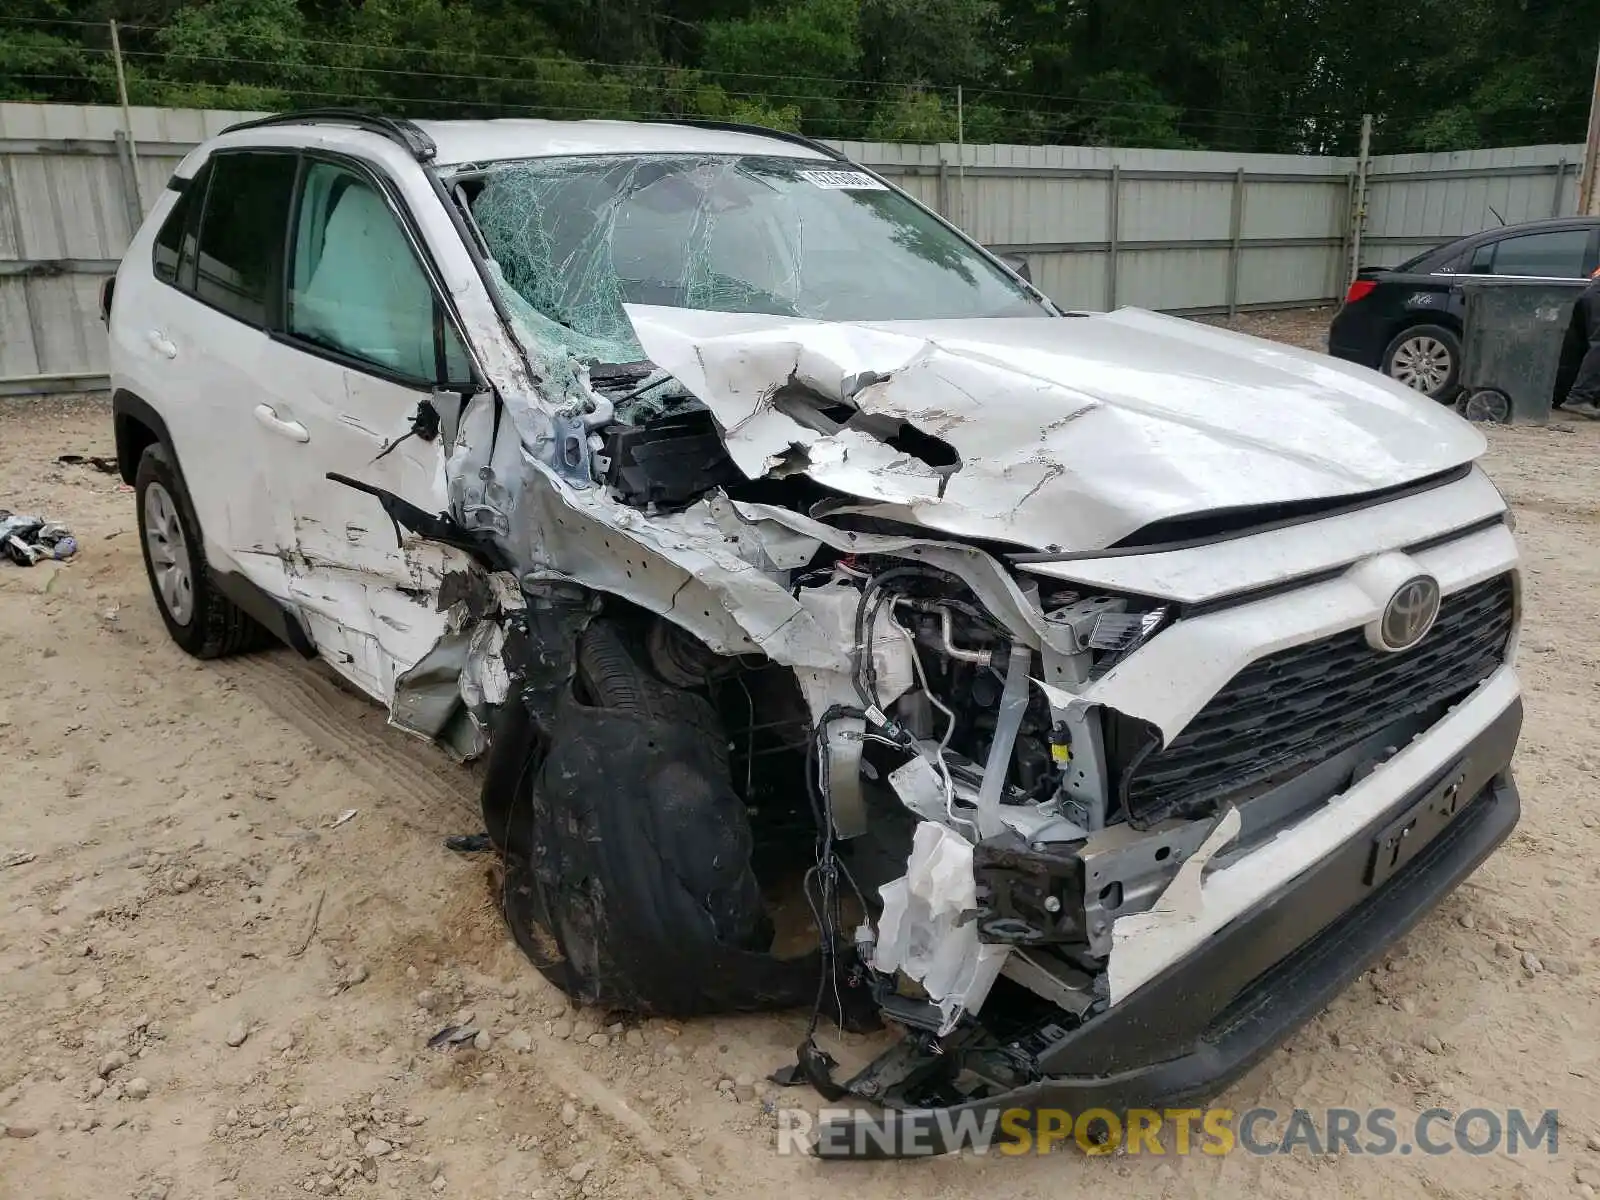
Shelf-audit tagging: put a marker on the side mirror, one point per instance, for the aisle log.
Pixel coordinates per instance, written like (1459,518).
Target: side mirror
(1018,264)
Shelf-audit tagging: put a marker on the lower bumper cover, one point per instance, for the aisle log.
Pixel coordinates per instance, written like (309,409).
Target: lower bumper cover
(1209,1018)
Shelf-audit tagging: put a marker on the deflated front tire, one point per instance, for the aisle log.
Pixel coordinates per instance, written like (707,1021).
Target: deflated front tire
(627,850)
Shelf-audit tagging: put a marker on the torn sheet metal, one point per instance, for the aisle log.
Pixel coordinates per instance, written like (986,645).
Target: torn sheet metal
(1071,433)
(926,930)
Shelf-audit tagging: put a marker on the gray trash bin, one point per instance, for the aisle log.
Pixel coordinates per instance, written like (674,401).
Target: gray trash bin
(1511,353)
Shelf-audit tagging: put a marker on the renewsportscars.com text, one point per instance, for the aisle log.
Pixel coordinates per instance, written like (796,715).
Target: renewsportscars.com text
(843,1132)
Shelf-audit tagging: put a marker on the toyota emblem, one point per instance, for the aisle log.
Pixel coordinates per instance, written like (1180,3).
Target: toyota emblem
(1409,614)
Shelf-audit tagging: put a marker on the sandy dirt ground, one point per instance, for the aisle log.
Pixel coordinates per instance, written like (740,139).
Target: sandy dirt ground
(211,987)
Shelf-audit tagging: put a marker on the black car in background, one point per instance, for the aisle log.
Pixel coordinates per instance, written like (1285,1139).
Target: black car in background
(1406,321)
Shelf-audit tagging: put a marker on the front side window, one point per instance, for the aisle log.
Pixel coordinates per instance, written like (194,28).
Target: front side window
(576,238)
(357,287)
(240,263)
(1555,255)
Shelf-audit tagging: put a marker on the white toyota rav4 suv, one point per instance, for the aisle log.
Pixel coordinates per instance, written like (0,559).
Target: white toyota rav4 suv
(1113,689)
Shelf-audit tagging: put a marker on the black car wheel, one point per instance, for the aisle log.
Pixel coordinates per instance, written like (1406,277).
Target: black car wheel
(1427,359)
(627,852)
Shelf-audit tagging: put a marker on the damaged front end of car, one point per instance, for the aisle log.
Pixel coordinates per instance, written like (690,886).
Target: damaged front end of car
(791,697)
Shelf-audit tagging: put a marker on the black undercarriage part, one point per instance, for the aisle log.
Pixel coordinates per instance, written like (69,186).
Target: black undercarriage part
(1027,896)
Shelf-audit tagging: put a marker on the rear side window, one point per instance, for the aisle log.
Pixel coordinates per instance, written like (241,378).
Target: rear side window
(240,264)
(1558,254)
(170,239)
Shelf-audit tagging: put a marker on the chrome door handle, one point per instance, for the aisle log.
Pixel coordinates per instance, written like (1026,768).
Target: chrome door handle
(161,344)
(292,430)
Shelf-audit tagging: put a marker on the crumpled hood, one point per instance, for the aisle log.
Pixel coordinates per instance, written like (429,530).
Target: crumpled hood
(1064,433)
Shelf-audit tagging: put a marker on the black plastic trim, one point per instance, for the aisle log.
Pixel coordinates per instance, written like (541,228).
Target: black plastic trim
(397,129)
(1209,1018)
(128,406)
(264,610)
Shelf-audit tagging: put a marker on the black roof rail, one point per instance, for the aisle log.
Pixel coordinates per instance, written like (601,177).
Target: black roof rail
(396,129)
(782,135)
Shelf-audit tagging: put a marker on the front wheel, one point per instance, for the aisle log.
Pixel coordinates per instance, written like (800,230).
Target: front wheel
(627,852)
(1427,359)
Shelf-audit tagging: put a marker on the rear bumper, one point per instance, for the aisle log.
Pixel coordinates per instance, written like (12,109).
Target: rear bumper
(1210,1017)
(1361,355)
(1357,335)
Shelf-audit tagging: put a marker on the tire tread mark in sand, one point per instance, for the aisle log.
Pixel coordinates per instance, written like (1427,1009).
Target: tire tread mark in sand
(396,765)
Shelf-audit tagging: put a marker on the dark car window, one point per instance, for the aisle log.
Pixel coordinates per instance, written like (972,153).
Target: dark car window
(174,251)
(1558,254)
(242,232)
(170,239)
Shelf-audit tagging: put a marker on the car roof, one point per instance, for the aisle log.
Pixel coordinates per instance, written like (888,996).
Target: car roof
(477,141)
(457,142)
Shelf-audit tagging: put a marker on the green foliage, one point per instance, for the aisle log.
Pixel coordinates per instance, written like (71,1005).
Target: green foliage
(914,115)
(1249,75)
(1124,108)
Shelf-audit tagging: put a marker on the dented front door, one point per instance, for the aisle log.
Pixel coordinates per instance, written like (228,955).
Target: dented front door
(363,347)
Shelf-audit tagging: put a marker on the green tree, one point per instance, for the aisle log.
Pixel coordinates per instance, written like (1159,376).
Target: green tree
(914,115)
(798,55)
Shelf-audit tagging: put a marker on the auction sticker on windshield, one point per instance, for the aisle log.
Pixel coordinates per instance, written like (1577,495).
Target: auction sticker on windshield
(844,181)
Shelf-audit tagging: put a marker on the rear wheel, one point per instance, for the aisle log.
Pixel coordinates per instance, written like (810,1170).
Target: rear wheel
(1427,359)
(198,617)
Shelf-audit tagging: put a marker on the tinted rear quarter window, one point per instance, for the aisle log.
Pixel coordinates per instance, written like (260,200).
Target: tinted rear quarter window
(1558,254)
(169,240)
(240,262)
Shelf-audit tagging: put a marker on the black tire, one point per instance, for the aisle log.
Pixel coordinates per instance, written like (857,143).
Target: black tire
(1426,355)
(611,677)
(628,879)
(210,625)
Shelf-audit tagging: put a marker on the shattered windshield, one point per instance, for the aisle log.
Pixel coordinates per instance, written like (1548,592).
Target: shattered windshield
(577,238)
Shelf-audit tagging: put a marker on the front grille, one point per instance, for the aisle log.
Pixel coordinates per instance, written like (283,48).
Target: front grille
(1293,709)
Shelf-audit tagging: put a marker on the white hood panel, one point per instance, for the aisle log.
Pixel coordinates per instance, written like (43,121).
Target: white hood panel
(1072,432)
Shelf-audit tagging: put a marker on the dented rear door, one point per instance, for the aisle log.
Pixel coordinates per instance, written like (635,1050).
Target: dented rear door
(361,350)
